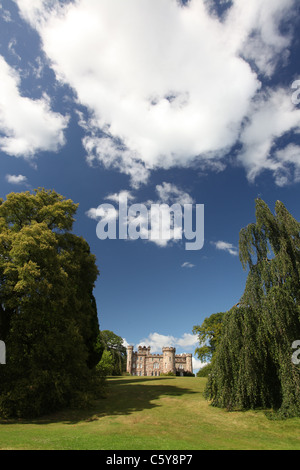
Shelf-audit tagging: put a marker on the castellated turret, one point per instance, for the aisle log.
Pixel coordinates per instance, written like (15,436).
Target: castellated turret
(129,359)
(189,362)
(169,360)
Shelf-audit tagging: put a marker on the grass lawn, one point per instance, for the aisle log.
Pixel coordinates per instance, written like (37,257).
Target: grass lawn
(163,413)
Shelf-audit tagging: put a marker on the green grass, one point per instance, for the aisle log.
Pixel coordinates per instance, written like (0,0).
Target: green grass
(163,413)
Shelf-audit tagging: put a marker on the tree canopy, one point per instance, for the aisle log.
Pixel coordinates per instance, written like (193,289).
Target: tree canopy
(209,333)
(48,314)
(113,344)
(252,366)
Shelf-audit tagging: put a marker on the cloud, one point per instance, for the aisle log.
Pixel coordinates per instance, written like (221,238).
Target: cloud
(186,264)
(169,193)
(121,197)
(256,26)
(29,126)
(164,231)
(270,118)
(225,246)
(288,160)
(125,343)
(103,212)
(156,341)
(16,179)
(187,340)
(5,15)
(197,364)
(168,86)
(113,155)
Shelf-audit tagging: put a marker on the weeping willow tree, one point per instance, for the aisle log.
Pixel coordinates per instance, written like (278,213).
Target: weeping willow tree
(253,365)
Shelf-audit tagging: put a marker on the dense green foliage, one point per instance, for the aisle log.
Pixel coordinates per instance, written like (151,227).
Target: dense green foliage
(209,333)
(112,343)
(106,364)
(48,315)
(252,366)
(204,371)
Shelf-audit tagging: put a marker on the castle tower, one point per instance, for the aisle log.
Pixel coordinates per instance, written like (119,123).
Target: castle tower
(169,360)
(129,359)
(189,363)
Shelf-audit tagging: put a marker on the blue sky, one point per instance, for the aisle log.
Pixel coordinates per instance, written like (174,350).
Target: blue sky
(171,102)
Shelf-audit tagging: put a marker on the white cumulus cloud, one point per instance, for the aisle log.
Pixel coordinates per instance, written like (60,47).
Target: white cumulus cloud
(270,118)
(27,125)
(166,85)
(156,341)
(16,179)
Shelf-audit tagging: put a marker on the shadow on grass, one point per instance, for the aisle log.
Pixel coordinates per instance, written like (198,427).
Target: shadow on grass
(124,397)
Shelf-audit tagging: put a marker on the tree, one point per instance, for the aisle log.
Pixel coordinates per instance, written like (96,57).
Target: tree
(252,366)
(114,344)
(48,315)
(209,333)
(106,364)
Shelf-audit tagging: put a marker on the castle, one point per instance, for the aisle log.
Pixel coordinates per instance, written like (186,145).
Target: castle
(143,363)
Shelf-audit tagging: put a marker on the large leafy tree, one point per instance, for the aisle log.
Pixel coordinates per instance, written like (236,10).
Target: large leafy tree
(48,315)
(113,344)
(209,333)
(252,366)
